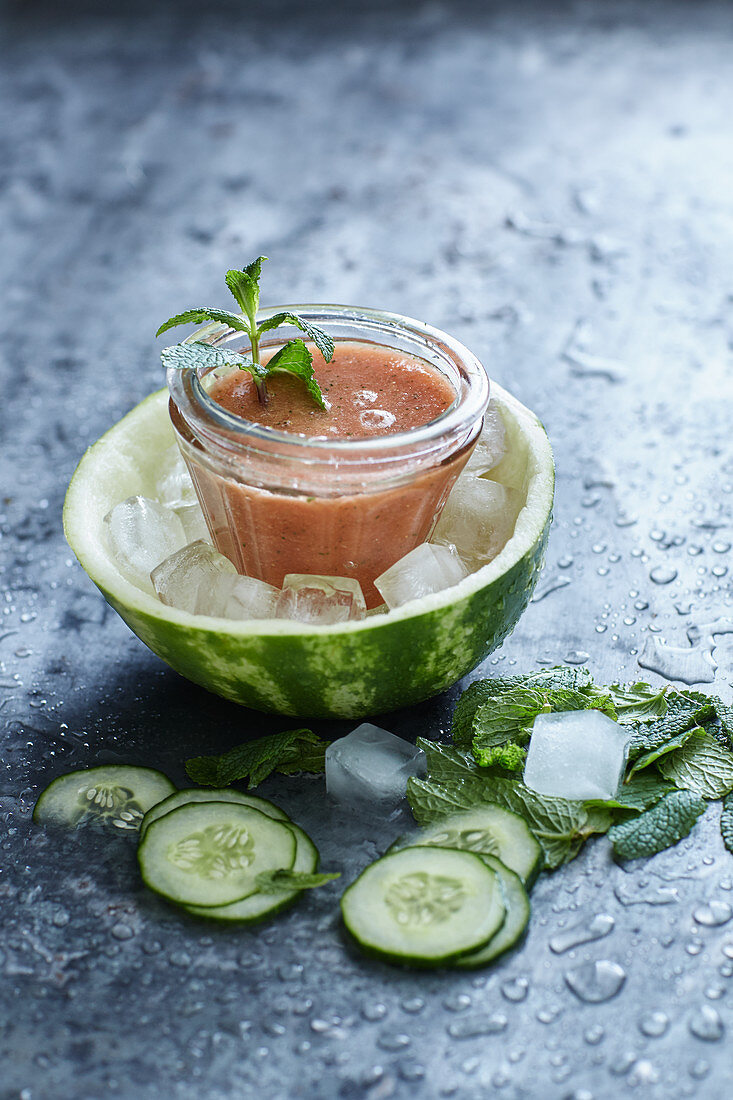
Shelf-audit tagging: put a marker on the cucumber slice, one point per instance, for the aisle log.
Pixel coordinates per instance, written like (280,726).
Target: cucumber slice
(424,905)
(257,905)
(515,924)
(488,830)
(210,794)
(115,795)
(209,853)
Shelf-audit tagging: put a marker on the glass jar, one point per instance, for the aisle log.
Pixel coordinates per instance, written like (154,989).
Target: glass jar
(278,502)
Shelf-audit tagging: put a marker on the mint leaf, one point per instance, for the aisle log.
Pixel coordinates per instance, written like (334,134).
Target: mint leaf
(289,751)
(205,313)
(725,715)
(726,822)
(561,826)
(702,765)
(638,793)
(655,754)
(682,715)
(197,354)
(504,717)
(321,339)
(294,358)
(511,715)
(277,882)
(245,286)
(666,823)
(454,783)
(481,691)
(638,702)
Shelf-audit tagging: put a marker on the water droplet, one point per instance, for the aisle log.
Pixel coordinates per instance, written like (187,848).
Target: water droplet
(413,1005)
(549,585)
(515,989)
(721,547)
(121,931)
(593,1035)
(713,914)
(714,992)
(60,918)
(471,1027)
(457,1002)
(393,1041)
(374,1012)
(565,561)
(643,1072)
(699,1069)
(705,1023)
(654,1024)
(584,365)
(576,657)
(595,982)
(690,664)
(662,574)
(662,895)
(411,1071)
(549,1014)
(585,932)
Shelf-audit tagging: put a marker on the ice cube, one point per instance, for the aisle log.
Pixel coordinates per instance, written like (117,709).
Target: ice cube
(310,598)
(141,533)
(371,764)
(237,597)
(491,445)
(194,523)
(478,519)
(425,570)
(177,580)
(576,754)
(174,487)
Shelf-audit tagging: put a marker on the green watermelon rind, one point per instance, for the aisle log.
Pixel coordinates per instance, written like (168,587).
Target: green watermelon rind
(344,671)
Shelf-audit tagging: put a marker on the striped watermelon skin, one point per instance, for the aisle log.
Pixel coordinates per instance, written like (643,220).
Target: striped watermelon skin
(347,671)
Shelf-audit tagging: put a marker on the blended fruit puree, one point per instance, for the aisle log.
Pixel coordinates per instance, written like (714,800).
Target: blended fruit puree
(371,390)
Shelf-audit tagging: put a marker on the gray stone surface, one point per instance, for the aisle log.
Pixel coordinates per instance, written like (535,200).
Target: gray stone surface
(551,183)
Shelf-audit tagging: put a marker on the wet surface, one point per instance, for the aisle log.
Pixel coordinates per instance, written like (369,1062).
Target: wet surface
(553,187)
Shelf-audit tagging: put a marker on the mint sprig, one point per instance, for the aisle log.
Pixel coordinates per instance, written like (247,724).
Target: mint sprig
(293,358)
(289,752)
(680,755)
(284,881)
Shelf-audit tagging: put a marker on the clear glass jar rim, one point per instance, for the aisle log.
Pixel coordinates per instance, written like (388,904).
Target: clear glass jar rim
(468,407)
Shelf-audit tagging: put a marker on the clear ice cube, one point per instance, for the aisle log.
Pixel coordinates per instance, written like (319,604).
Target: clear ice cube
(174,487)
(478,518)
(178,579)
(491,445)
(194,523)
(237,597)
(426,569)
(372,765)
(141,533)
(576,754)
(309,598)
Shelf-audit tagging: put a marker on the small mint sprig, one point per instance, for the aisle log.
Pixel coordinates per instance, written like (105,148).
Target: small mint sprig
(293,358)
